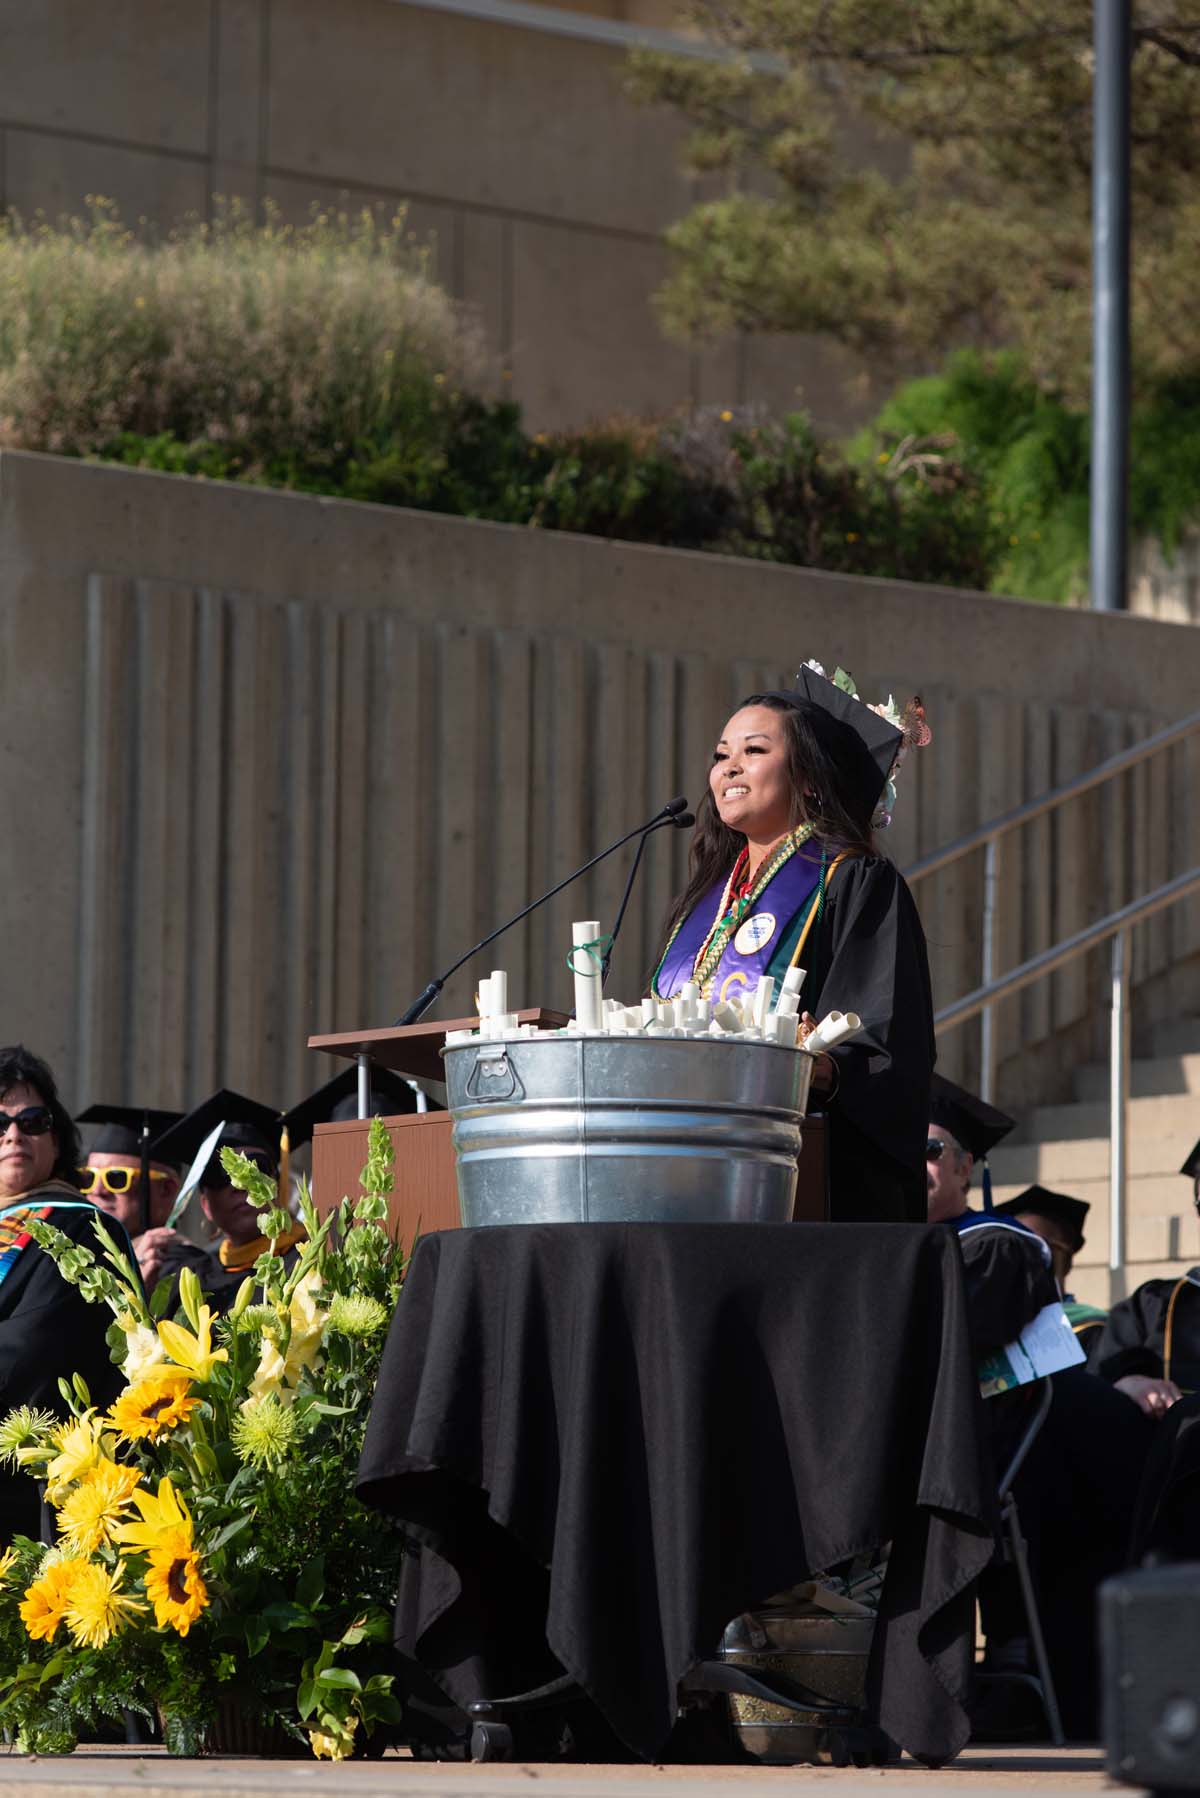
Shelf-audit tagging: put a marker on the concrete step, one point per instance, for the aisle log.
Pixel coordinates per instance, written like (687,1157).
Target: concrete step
(1064,1161)
(1161,1077)
(1174,1114)
(1180,1037)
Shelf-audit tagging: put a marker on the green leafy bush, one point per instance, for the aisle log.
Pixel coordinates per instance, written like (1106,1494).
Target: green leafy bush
(1029,452)
(255,349)
(325,359)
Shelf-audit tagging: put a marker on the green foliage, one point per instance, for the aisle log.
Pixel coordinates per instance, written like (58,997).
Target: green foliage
(907,177)
(247,1487)
(1028,451)
(236,349)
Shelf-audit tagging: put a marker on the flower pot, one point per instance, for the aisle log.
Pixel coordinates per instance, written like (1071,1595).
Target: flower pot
(238,1729)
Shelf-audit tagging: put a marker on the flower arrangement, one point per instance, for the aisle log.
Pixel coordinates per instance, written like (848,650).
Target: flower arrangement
(210,1552)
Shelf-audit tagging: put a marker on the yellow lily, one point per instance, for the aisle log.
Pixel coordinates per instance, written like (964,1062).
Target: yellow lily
(279,1372)
(163,1513)
(196,1353)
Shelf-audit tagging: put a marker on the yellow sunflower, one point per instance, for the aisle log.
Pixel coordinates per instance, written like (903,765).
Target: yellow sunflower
(87,1515)
(173,1582)
(45,1602)
(153,1406)
(96,1606)
(164,1515)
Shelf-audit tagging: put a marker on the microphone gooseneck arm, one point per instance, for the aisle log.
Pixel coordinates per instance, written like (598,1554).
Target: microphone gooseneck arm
(420,1005)
(681,821)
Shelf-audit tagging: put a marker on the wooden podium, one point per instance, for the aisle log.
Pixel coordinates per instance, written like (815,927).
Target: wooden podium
(425,1196)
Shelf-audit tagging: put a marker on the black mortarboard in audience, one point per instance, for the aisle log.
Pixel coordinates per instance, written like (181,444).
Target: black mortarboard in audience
(248,1126)
(338,1099)
(1056,1207)
(974,1125)
(121,1127)
(1191,1166)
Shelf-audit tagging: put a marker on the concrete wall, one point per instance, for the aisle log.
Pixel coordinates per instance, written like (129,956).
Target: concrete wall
(503,125)
(271,761)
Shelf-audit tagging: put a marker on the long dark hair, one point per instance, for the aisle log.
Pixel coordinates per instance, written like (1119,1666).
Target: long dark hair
(19,1066)
(824,794)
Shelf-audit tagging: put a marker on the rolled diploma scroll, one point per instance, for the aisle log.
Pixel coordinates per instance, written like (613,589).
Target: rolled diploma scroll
(498,989)
(588,990)
(834,1029)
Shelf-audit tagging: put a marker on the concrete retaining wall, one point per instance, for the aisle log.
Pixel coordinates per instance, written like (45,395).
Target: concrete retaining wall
(271,761)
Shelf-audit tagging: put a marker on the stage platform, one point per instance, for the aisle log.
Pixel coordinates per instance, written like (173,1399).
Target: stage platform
(982,1773)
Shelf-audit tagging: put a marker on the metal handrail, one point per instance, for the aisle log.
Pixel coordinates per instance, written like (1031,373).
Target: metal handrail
(1117,927)
(971,1004)
(984,834)
(987,837)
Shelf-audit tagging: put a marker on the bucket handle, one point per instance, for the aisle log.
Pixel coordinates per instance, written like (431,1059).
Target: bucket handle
(493,1065)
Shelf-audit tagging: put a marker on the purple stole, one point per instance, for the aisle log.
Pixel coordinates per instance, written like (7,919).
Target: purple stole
(748,953)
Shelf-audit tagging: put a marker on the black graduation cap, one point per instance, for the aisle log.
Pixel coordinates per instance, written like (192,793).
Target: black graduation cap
(122,1127)
(865,744)
(338,1099)
(978,1127)
(248,1125)
(1057,1207)
(1191,1166)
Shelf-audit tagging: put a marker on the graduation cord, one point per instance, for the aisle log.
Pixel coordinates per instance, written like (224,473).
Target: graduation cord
(1170,1325)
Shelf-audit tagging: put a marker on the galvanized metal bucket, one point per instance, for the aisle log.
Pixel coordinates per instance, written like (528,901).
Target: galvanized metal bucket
(576,1129)
(798,1644)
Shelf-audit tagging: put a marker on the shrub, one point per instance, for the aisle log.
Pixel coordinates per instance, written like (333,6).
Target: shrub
(285,347)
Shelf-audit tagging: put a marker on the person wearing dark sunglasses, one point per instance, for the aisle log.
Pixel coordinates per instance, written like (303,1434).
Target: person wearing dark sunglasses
(47,1329)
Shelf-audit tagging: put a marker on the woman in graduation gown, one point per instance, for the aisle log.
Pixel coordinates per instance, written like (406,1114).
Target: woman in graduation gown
(47,1330)
(784,871)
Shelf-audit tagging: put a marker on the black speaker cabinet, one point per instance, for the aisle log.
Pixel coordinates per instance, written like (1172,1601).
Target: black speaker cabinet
(1150,1660)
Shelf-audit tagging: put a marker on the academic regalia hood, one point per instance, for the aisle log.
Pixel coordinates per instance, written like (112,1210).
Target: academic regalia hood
(1056,1207)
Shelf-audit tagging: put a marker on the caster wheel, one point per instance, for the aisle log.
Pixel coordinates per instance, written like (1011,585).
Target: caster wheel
(837,1746)
(491,1742)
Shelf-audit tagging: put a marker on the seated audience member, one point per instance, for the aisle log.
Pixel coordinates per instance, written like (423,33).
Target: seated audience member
(47,1330)
(253,1130)
(1150,1347)
(1077,1490)
(1059,1219)
(1008,1268)
(112,1174)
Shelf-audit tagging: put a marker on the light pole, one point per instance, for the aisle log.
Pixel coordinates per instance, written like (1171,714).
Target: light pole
(1110,307)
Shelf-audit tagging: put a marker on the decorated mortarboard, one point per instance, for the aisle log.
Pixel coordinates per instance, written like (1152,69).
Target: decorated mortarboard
(1191,1166)
(868,741)
(338,1099)
(1056,1207)
(974,1125)
(122,1126)
(247,1125)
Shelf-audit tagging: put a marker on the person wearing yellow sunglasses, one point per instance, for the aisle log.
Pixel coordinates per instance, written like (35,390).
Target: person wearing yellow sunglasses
(112,1176)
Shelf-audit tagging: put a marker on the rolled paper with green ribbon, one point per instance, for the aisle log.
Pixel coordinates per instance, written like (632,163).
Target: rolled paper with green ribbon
(587,967)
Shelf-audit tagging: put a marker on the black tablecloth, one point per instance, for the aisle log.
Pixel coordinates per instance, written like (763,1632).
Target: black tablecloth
(611,1439)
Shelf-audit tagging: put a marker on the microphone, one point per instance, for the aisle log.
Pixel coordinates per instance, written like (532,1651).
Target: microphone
(673,811)
(681,821)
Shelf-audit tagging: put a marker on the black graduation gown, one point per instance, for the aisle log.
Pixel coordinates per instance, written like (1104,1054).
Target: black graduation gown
(48,1331)
(1132,1340)
(219,1284)
(1008,1282)
(867,954)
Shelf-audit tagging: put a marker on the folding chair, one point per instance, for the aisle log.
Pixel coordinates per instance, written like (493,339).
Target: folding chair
(1015,1553)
